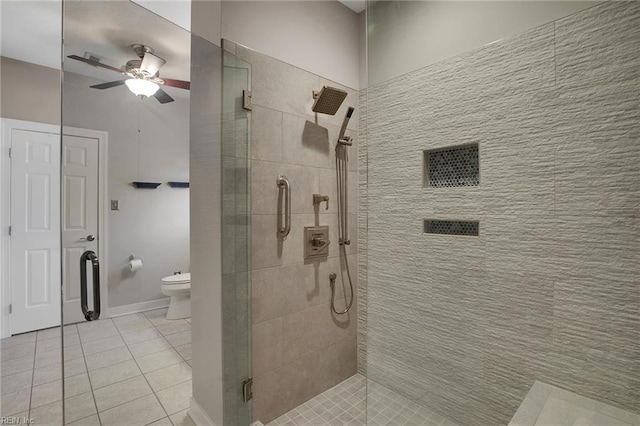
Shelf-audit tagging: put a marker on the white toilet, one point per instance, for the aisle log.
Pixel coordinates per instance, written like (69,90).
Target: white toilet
(178,287)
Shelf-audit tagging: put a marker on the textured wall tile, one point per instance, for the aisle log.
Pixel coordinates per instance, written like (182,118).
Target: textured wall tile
(597,150)
(598,45)
(362,233)
(549,290)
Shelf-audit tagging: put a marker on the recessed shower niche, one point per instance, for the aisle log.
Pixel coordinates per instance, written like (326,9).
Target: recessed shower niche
(469,228)
(453,166)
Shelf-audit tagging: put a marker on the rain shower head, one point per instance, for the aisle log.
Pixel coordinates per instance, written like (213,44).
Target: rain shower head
(328,100)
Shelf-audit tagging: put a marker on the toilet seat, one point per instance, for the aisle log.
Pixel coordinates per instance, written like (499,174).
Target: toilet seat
(178,279)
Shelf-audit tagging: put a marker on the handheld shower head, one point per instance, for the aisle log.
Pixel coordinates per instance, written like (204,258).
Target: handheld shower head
(328,100)
(342,139)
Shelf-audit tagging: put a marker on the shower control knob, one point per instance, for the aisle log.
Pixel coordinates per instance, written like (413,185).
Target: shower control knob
(319,242)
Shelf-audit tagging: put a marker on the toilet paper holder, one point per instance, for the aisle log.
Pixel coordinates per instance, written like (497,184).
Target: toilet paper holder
(135,263)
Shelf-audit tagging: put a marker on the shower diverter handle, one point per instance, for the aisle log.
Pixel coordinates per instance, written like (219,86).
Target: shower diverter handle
(319,242)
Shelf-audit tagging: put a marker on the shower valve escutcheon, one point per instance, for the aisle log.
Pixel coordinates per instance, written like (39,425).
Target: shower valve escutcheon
(319,198)
(316,245)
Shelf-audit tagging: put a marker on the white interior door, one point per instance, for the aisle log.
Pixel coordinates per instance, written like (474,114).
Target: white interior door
(79,218)
(35,230)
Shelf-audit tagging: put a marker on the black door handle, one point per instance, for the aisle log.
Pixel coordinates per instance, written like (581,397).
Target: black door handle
(95,266)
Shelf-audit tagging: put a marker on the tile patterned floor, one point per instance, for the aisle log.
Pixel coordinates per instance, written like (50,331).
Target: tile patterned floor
(129,370)
(345,404)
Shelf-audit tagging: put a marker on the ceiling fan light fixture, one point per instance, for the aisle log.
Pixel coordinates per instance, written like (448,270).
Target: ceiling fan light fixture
(142,88)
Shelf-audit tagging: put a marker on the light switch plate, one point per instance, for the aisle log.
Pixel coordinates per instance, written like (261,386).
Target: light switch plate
(115,205)
(316,243)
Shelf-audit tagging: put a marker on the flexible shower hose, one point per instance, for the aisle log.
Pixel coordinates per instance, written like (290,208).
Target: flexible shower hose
(332,281)
(341,175)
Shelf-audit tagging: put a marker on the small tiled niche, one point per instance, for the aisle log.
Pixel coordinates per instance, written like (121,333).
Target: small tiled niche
(454,166)
(467,228)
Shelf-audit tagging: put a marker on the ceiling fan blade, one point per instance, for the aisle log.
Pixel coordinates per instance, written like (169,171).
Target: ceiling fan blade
(108,85)
(162,97)
(180,84)
(94,63)
(151,63)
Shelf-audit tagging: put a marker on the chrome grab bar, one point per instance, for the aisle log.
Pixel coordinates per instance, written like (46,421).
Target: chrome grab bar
(284,192)
(95,266)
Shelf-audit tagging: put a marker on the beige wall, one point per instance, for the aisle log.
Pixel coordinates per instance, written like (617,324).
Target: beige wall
(205,20)
(317,36)
(299,347)
(407,35)
(29,92)
(321,37)
(176,11)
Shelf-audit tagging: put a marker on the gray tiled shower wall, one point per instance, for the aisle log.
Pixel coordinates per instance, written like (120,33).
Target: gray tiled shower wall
(549,290)
(299,348)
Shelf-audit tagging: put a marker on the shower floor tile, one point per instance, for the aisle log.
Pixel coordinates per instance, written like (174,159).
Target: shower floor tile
(346,405)
(135,376)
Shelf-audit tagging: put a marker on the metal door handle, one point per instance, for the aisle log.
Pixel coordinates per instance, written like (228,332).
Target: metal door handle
(284,192)
(88,238)
(95,266)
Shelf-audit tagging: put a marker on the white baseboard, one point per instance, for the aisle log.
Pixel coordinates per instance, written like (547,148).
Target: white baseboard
(134,308)
(198,415)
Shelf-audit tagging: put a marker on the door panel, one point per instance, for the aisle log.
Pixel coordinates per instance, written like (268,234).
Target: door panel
(38,281)
(35,222)
(75,217)
(71,256)
(80,217)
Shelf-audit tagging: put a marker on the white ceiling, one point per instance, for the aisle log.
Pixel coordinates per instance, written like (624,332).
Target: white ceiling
(41,43)
(355,5)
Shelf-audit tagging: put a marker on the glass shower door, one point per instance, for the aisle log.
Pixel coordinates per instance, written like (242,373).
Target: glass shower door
(236,237)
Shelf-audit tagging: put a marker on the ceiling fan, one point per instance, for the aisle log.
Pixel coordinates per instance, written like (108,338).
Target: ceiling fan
(144,78)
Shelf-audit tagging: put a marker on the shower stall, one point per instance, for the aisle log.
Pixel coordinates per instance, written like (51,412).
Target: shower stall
(455,242)
(491,197)
(503,244)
